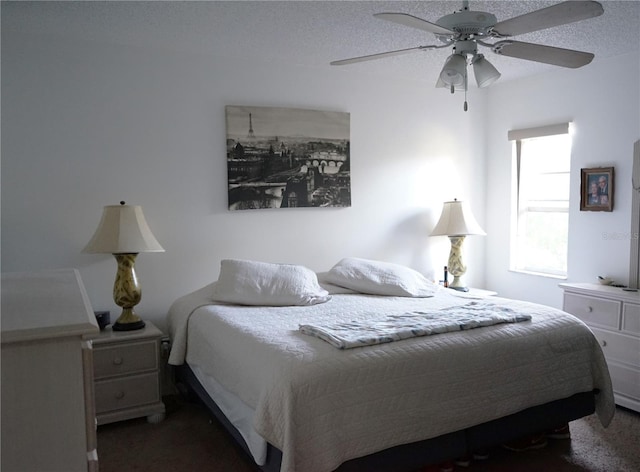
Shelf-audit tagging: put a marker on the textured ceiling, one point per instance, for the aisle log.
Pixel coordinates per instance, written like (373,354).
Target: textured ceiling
(313,33)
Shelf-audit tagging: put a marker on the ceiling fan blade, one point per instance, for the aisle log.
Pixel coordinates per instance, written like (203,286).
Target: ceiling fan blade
(371,57)
(555,15)
(546,54)
(413,22)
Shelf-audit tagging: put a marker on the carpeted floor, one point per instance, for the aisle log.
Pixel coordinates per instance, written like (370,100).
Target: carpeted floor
(188,440)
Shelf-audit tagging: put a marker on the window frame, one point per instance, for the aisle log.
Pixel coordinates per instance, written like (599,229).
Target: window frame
(516,220)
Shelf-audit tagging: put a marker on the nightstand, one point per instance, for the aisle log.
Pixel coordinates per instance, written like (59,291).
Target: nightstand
(126,371)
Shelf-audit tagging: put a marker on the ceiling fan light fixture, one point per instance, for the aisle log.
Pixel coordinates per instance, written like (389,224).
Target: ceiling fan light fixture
(485,72)
(454,70)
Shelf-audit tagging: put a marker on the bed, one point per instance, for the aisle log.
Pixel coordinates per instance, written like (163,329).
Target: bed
(297,402)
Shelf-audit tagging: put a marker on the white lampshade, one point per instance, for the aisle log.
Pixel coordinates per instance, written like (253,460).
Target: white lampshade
(454,70)
(441,84)
(484,71)
(123,230)
(456,220)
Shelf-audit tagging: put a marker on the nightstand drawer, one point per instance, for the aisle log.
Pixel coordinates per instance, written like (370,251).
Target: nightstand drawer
(593,311)
(127,358)
(116,394)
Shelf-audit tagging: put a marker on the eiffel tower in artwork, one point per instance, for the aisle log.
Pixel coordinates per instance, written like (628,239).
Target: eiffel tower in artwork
(251,135)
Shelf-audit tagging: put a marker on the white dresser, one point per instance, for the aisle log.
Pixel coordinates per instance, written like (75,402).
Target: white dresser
(48,419)
(614,317)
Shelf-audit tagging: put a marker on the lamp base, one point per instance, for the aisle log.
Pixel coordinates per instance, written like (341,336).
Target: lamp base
(126,293)
(456,266)
(128,321)
(460,289)
(128,326)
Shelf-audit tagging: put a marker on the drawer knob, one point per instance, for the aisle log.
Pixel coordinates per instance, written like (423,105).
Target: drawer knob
(603,343)
(119,395)
(589,309)
(117,361)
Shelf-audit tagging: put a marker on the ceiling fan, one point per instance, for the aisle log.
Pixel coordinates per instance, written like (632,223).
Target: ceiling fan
(466,29)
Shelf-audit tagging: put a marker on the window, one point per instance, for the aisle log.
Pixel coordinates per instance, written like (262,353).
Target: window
(540,223)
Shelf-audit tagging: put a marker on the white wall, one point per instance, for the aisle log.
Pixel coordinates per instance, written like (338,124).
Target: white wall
(88,124)
(603,102)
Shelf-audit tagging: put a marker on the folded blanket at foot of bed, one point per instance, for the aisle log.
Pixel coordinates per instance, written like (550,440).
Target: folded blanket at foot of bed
(394,327)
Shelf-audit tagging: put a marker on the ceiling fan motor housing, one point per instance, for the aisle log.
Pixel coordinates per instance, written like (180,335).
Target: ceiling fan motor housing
(467,23)
(466,47)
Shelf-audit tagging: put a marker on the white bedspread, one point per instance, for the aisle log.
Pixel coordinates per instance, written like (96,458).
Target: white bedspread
(322,406)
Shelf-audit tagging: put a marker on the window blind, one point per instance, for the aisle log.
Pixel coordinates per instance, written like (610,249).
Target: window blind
(540,131)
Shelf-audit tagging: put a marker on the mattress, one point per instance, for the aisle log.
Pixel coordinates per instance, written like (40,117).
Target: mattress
(322,406)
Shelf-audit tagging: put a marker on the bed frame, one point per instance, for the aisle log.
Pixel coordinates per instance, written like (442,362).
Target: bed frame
(408,457)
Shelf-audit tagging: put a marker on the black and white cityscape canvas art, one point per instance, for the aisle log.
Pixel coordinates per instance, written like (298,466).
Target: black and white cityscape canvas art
(287,158)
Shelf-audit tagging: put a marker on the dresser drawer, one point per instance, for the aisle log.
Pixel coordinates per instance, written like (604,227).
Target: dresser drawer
(119,359)
(631,318)
(625,380)
(594,311)
(619,347)
(126,392)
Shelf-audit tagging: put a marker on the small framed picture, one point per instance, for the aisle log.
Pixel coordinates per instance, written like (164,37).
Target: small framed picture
(596,189)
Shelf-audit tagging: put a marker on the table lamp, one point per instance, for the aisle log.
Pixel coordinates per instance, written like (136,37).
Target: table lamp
(456,221)
(124,232)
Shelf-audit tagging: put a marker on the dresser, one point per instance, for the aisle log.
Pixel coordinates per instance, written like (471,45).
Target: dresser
(48,418)
(126,369)
(614,317)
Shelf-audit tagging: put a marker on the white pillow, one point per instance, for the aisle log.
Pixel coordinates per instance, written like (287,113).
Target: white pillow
(333,289)
(259,283)
(380,278)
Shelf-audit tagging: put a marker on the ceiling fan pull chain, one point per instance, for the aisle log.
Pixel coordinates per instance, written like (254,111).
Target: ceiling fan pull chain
(465,90)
